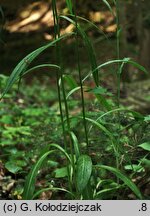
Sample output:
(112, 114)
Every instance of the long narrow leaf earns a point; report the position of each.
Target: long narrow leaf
(25, 62)
(61, 149)
(103, 192)
(69, 5)
(125, 60)
(91, 23)
(51, 189)
(101, 127)
(135, 114)
(73, 90)
(2, 14)
(125, 179)
(99, 97)
(39, 67)
(89, 48)
(31, 178)
(70, 80)
(76, 144)
(108, 5)
(102, 100)
(140, 67)
(36, 68)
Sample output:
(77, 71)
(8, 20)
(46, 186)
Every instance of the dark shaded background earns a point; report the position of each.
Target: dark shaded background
(28, 24)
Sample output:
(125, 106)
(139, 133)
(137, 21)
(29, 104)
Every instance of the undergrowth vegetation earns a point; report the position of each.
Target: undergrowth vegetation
(82, 143)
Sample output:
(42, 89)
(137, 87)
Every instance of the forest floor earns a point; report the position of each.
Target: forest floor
(30, 120)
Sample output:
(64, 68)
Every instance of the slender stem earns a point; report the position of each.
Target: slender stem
(60, 76)
(80, 76)
(118, 49)
(61, 73)
(63, 91)
(118, 29)
(118, 52)
(118, 78)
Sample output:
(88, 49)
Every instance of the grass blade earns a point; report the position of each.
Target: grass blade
(100, 194)
(125, 60)
(41, 66)
(140, 67)
(108, 5)
(2, 14)
(135, 114)
(90, 23)
(125, 179)
(69, 5)
(102, 100)
(101, 127)
(36, 68)
(76, 144)
(73, 90)
(61, 149)
(89, 48)
(51, 189)
(70, 80)
(25, 62)
(31, 178)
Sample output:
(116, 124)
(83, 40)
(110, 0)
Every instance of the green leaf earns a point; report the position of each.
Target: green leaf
(125, 179)
(140, 67)
(135, 114)
(101, 127)
(112, 62)
(147, 118)
(76, 144)
(103, 101)
(39, 67)
(114, 1)
(108, 5)
(31, 178)
(52, 163)
(52, 189)
(20, 163)
(21, 68)
(2, 13)
(12, 167)
(73, 90)
(108, 192)
(145, 162)
(34, 112)
(84, 170)
(6, 119)
(89, 47)
(56, 146)
(69, 5)
(25, 130)
(125, 60)
(100, 90)
(71, 81)
(134, 167)
(61, 172)
(90, 23)
(145, 146)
